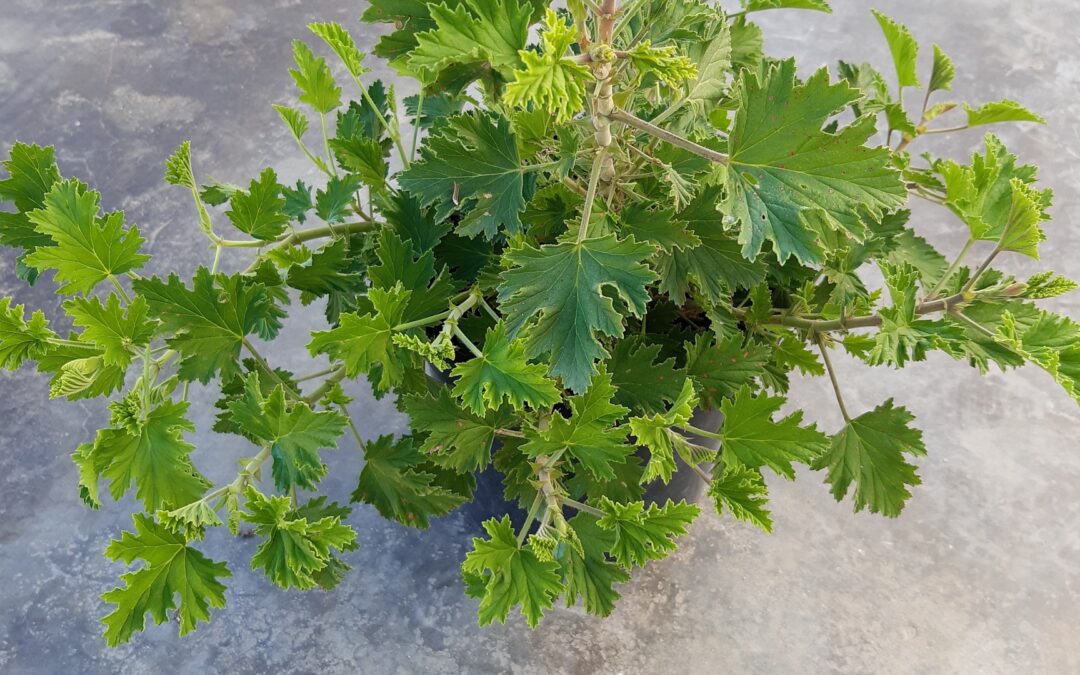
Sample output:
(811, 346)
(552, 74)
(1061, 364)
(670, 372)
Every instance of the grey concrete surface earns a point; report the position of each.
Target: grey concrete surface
(981, 574)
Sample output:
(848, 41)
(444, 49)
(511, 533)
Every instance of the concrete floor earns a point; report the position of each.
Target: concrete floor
(981, 574)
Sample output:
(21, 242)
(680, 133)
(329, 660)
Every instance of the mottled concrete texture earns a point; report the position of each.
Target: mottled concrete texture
(982, 573)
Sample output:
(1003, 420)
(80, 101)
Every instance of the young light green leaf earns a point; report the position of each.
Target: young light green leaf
(314, 80)
(564, 285)
(657, 433)
(753, 439)
(474, 38)
(742, 491)
(508, 575)
(339, 39)
(787, 178)
(116, 333)
(148, 447)
(645, 534)
(20, 340)
(1000, 111)
(172, 568)
(588, 571)
(550, 80)
(903, 336)
(816, 5)
(259, 212)
(502, 373)
(395, 483)
(666, 63)
(471, 159)
(294, 433)
(297, 551)
(869, 451)
(941, 76)
(86, 249)
(295, 119)
(364, 341)
(588, 435)
(904, 48)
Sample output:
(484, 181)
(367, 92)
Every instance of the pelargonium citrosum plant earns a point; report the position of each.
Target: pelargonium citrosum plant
(596, 220)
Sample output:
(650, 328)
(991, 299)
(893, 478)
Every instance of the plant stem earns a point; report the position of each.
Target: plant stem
(590, 194)
(582, 507)
(952, 269)
(869, 321)
(832, 377)
(327, 385)
(948, 130)
(664, 135)
(316, 374)
(326, 143)
(702, 432)
(701, 474)
(416, 123)
(509, 432)
(524, 532)
(982, 268)
(468, 343)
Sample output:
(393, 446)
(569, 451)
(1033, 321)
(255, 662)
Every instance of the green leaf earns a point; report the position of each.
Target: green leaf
(657, 434)
(473, 38)
(172, 568)
(645, 534)
(716, 265)
(551, 80)
(297, 551)
(456, 438)
(712, 59)
(721, 368)
(78, 371)
(334, 202)
(1000, 111)
(260, 212)
(116, 333)
(641, 383)
(21, 341)
(510, 575)
(656, 226)
(314, 80)
(588, 435)
(941, 76)
(742, 491)
(904, 48)
(395, 483)
(869, 451)
(787, 178)
(148, 447)
(588, 571)
(564, 285)
(471, 159)
(1022, 233)
(294, 433)
(32, 172)
(85, 248)
(363, 341)
(753, 439)
(400, 263)
(339, 39)
(502, 373)
(210, 321)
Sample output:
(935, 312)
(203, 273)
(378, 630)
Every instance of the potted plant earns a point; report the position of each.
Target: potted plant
(602, 220)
